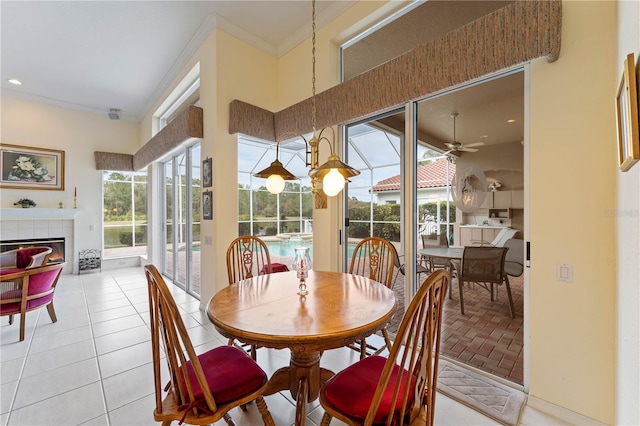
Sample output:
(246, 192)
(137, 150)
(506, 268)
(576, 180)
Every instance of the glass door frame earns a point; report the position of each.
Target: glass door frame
(188, 218)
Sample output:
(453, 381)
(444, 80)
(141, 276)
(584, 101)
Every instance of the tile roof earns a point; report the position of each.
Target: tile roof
(432, 175)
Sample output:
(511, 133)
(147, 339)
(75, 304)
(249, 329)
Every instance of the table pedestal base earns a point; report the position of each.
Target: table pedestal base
(303, 377)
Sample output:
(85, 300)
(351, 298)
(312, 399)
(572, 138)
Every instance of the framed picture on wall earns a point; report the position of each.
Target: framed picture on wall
(23, 167)
(207, 181)
(627, 116)
(207, 205)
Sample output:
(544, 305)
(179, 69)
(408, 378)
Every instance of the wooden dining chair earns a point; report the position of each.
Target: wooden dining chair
(247, 257)
(200, 389)
(485, 266)
(401, 388)
(25, 290)
(374, 258)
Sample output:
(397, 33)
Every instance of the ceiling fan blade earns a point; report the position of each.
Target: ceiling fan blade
(469, 145)
(467, 149)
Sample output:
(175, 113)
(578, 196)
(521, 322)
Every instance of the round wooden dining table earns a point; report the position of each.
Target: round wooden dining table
(266, 310)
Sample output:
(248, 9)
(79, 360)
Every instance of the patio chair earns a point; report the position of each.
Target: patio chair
(200, 389)
(502, 237)
(420, 268)
(485, 266)
(247, 256)
(514, 260)
(399, 389)
(433, 263)
(26, 290)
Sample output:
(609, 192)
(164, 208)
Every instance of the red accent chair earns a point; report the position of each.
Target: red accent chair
(25, 290)
(201, 389)
(400, 389)
(25, 258)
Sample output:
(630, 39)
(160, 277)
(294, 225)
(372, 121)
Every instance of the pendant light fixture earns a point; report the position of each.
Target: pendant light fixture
(334, 173)
(275, 174)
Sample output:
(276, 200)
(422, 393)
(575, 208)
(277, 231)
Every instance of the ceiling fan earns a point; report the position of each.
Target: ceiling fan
(456, 146)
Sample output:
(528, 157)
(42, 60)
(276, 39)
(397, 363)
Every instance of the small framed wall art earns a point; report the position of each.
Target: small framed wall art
(207, 180)
(207, 205)
(627, 116)
(23, 167)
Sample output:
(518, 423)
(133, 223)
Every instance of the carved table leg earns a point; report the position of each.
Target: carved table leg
(301, 401)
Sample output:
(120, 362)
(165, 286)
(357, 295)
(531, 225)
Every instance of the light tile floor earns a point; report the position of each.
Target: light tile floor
(93, 367)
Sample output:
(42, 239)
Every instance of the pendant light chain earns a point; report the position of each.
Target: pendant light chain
(313, 66)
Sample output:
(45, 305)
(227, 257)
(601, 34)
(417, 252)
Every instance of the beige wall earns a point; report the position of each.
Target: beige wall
(627, 218)
(79, 134)
(229, 69)
(573, 152)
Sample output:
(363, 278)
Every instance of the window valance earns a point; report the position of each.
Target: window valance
(517, 33)
(186, 125)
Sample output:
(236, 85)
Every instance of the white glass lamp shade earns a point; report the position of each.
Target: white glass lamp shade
(275, 184)
(469, 187)
(333, 183)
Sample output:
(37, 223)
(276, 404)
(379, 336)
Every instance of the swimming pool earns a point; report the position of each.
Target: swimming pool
(286, 248)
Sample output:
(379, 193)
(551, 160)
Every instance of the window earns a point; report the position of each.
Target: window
(124, 213)
(265, 214)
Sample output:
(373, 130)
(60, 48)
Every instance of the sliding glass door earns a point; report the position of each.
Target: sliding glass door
(182, 219)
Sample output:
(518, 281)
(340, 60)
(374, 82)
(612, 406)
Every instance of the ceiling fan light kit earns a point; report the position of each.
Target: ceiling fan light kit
(456, 146)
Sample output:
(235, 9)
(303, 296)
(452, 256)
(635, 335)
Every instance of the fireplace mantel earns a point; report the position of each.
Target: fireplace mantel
(37, 214)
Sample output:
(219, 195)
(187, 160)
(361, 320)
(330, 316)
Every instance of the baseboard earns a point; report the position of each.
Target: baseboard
(570, 417)
(120, 262)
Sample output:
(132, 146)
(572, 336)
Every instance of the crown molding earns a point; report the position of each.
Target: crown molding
(58, 103)
(304, 32)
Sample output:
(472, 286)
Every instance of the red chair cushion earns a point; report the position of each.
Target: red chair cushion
(38, 283)
(230, 373)
(275, 267)
(351, 391)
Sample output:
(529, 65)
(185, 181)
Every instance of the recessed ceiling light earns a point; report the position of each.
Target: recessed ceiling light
(511, 120)
(15, 81)
(484, 136)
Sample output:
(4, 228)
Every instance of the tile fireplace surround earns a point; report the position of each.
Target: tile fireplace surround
(21, 224)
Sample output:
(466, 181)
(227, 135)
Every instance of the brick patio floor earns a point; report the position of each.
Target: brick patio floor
(486, 337)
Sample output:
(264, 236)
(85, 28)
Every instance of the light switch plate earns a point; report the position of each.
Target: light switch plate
(564, 272)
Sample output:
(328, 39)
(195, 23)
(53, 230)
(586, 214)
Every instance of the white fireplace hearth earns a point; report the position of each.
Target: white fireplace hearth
(19, 224)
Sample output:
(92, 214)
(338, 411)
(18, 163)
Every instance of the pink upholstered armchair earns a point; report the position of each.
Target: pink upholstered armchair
(29, 289)
(25, 258)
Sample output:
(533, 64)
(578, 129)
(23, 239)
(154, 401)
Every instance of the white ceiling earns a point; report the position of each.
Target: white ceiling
(97, 55)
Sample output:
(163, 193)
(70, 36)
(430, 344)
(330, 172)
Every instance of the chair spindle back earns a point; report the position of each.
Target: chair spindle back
(374, 258)
(247, 256)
